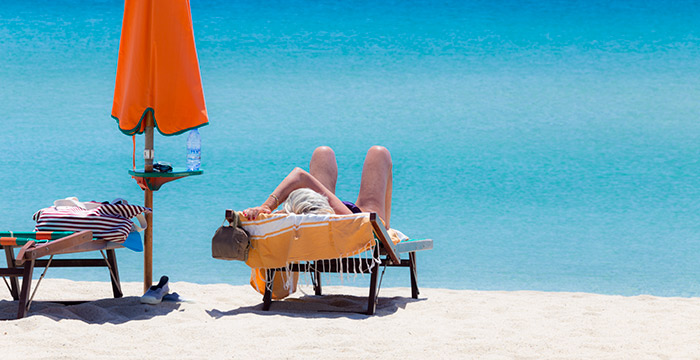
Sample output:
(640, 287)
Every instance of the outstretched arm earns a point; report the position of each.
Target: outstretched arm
(296, 179)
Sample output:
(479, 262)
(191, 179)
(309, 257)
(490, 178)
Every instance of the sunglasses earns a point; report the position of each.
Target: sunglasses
(162, 167)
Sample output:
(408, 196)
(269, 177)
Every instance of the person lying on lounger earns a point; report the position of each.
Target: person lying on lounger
(305, 192)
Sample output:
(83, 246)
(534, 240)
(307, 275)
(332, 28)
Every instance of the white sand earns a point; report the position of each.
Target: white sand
(225, 321)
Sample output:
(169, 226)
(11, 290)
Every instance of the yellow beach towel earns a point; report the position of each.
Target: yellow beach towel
(278, 240)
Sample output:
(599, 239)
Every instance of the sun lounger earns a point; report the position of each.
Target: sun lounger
(36, 245)
(331, 245)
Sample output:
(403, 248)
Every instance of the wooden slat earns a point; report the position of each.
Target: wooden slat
(11, 272)
(384, 238)
(58, 246)
(10, 261)
(92, 245)
(56, 263)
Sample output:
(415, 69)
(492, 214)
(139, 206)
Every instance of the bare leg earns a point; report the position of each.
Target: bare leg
(376, 184)
(324, 167)
(321, 178)
(297, 179)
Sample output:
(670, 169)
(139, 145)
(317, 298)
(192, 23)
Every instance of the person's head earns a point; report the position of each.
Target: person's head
(307, 201)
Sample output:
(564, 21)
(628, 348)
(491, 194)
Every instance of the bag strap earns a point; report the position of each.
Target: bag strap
(142, 225)
(232, 217)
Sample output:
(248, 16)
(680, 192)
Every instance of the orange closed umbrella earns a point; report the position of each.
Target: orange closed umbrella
(158, 85)
(158, 70)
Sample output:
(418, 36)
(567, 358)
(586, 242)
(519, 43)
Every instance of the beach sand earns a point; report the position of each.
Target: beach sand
(223, 321)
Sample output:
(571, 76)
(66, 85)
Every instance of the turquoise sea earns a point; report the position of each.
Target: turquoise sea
(544, 145)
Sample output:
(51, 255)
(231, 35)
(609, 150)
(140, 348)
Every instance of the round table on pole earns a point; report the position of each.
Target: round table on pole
(150, 182)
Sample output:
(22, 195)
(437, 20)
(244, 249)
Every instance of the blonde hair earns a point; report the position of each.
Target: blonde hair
(307, 201)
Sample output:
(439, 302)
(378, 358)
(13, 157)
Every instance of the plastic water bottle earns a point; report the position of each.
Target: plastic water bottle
(194, 150)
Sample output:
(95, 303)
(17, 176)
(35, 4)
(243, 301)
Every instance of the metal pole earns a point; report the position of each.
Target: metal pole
(148, 234)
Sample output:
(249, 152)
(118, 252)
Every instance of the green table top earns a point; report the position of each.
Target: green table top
(177, 172)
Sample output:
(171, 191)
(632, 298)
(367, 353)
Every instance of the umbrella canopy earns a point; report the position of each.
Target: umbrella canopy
(158, 86)
(158, 70)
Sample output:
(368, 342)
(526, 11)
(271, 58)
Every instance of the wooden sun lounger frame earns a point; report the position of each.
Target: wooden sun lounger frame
(29, 256)
(388, 253)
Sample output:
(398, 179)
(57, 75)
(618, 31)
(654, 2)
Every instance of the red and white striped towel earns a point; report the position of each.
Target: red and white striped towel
(108, 221)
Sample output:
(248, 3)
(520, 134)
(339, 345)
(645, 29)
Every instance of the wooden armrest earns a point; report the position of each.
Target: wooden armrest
(414, 245)
(31, 251)
(22, 253)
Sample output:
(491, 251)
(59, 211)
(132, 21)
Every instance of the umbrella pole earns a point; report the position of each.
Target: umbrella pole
(148, 235)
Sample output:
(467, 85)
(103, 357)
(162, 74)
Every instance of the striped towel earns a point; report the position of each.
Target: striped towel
(277, 240)
(107, 221)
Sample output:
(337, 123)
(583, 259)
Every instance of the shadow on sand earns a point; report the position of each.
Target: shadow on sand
(103, 311)
(325, 306)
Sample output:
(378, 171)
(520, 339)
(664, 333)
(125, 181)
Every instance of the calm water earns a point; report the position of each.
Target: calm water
(547, 145)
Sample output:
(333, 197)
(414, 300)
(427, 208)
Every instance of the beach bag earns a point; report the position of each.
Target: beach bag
(230, 242)
(107, 221)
